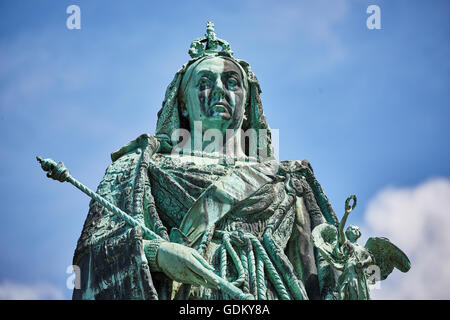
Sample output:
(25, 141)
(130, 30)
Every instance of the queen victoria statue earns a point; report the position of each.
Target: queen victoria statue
(202, 209)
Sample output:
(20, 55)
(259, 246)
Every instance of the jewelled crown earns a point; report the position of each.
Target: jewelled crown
(209, 45)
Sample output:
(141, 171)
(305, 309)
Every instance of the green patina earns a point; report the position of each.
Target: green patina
(203, 216)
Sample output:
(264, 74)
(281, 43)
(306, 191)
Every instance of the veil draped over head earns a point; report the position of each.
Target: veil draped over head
(170, 117)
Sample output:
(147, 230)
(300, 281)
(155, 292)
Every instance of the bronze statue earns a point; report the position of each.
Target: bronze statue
(202, 209)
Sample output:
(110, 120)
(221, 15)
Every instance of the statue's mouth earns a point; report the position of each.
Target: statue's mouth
(220, 108)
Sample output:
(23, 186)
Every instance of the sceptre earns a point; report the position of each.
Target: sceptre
(58, 171)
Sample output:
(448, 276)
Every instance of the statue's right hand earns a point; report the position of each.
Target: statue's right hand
(186, 265)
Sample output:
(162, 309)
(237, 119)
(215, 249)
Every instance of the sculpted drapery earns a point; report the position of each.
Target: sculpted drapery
(153, 188)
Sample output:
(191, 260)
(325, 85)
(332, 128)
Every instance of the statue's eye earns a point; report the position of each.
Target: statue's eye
(232, 82)
(204, 82)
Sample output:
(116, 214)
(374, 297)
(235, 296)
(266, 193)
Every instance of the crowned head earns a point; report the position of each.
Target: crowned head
(213, 88)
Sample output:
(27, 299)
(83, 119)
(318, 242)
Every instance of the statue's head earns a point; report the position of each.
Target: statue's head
(353, 233)
(213, 88)
(214, 91)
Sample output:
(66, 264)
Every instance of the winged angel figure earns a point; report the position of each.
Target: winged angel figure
(359, 266)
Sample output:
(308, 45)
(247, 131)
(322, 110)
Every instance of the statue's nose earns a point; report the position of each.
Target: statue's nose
(218, 91)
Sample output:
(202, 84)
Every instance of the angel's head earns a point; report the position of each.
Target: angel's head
(353, 233)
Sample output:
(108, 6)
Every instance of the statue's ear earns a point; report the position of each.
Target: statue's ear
(184, 111)
(182, 105)
(183, 115)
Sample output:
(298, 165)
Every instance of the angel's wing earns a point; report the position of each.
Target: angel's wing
(387, 256)
(325, 238)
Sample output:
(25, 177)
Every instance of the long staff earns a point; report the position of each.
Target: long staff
(58, 171)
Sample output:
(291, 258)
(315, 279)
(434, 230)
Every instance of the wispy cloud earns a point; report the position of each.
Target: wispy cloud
(296, 22)
(38, 291)
(417, 220)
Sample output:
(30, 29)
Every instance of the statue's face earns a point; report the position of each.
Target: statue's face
(353, 233)
(215, 95)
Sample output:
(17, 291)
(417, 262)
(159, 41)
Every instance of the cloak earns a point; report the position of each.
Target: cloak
(267, 216)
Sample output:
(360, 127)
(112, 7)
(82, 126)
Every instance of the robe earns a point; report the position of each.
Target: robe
(251, 221)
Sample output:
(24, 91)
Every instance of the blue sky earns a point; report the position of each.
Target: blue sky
(368, 108)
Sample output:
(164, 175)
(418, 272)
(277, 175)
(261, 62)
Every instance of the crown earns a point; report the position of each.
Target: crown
(209, 45)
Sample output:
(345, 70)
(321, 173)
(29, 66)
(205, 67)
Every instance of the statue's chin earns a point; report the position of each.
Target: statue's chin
(220, 116)
(217, 120)
(220, 121)
(219, 113)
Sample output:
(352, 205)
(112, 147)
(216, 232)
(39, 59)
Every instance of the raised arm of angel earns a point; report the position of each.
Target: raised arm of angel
(330, 241)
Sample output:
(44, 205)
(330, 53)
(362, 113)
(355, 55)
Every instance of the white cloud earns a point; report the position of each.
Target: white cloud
(38, 291)
(417, 220)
